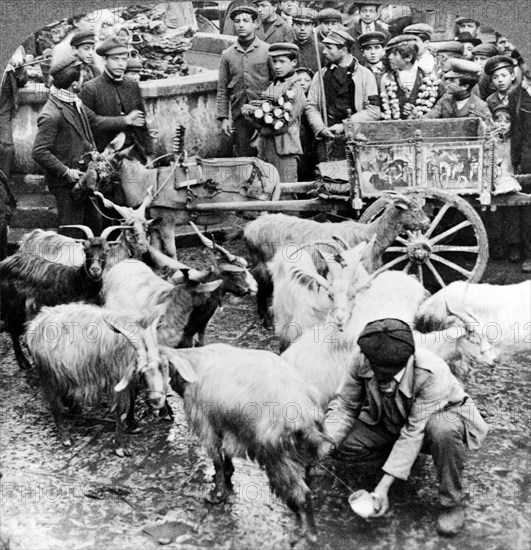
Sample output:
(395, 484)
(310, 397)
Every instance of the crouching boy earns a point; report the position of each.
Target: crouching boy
(279, 142)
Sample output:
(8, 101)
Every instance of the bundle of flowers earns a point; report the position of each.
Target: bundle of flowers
(426, 97)
(273, 112)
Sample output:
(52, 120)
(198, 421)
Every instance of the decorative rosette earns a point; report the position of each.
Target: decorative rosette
(426, 97)
(273, 112)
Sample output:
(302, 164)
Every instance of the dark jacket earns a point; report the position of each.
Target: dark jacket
(12, 80)
(446, 108)
(64, 136)
(520, 110)
(308, 54)
(355, 31)
(279, 31)
(108, 98)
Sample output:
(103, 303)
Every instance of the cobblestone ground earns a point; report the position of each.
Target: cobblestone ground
(86, 497)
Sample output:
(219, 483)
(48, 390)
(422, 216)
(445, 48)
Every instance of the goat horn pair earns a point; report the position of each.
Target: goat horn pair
(108, 230)
(211, 244)
(87, 230)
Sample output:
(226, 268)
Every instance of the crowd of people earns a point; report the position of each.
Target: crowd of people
(338, 67)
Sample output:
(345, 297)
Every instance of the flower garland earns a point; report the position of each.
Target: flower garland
(426, 97)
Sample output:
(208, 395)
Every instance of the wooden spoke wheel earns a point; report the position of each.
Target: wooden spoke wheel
(454, 247)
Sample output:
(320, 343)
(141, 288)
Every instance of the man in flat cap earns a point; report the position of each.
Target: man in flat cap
(282, 146)
(304, 21)
(83, 43)
(459, 101)
(245, 71)
(372, 48)
(404, 87)
(65, 130)
(114, 94)
(425, 58)
(271, 27)
(350, 90)
(400, 400)
(466, 24)
(368, 22)
(328, 19)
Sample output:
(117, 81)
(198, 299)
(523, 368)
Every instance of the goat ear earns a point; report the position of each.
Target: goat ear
(126, 378)
(181, 363)
(401, 205)
(115, 145)
(208, 287)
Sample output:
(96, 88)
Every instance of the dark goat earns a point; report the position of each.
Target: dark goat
(29, 282)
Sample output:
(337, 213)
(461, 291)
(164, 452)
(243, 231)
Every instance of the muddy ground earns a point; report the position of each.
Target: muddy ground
(85, 497)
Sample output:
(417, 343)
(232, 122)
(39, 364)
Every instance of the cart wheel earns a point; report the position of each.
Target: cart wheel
(455, 246)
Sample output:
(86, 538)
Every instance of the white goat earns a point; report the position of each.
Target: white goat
(503, 312)
(250, 403)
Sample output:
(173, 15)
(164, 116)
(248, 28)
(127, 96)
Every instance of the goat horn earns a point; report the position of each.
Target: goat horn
(87, 230)
(319, 279)
(333, 265)
(341, 240)
(211, 244)
(146, 202)
(108, 230)
(165, 261)
(124, 211)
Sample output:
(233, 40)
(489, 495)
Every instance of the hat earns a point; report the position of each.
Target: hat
(306, 70)
(463, 67)
(329, 14)
(400, 40)
(112, 45)
(500, 108)
(251, 10)
(461, 20)
(467, 37)
(487, 50)
(339, 38)
(387, 344)
(82, 37)
(283, 48)
(304, 15)
(134, 65)
(64, 71)
(422, 30)
(369, 38)
(452, 46)
(497, 62)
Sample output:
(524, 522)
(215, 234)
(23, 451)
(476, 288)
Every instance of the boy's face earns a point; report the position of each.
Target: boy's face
(135, 75)
(368, 14)
(373, 53)
(481, 60)
(326, 26)
(502, 79)
(116, 64)
(244, 26)
(303, 30)
(396, 61)
(265, 9)
(304, 80)
(85, 52)
(283, 65)
(467, 50)
(502, 122)
(468, 26)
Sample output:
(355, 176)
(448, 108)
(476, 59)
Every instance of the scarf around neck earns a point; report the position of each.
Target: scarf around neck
(66, 96)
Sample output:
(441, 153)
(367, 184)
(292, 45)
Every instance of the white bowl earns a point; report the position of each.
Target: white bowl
(362, 503)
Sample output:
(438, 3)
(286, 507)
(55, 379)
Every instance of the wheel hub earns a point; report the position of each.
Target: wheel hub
(419, 250)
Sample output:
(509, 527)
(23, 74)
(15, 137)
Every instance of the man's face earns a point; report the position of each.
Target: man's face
(265, 10)
(373, 53)
(283, 65)
(304, 79)
(481, 60)
(303, 30)
(503, 45)
(332, 53)
(116, 64)
(368, 14)
(85, 52)
(396, 61)
(326, 26)
(86, 24)
(453, 85)
(467, 50)
(244, 26)
(502, 79)
(468, 26)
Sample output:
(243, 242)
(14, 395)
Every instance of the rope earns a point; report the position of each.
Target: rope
(336, 478)
(165, 182)
(95, 204)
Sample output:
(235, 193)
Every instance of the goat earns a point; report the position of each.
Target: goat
(322, 354)
(504, 311)
(265, 235)
(28, 282)
(84, 353)
(302, 297)
(240, 406)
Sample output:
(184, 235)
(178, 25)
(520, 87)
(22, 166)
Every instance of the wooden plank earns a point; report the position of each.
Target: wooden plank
(266, 206)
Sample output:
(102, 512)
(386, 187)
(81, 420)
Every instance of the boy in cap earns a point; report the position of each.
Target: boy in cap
(83, 43)
(271, 27)
(469, 43)
(304, 21)
(244, 72)
(372, 49)
(328, 20)
(425, 58)
(281, 148)
(308, 159)
(467, 24)
(500, 70)
(114, 94)
(459, 101)
(400, 400)
(366, 23)
(482, 53)
(65, 130)
(350, 90)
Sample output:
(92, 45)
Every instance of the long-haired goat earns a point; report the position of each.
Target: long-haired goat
(265, 235)
(28, 282)
(84, 353)
(250, 403)
(504, 312)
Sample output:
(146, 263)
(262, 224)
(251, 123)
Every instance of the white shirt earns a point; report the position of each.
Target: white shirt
(408, 77)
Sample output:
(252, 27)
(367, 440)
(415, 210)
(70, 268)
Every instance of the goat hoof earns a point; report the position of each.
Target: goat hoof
(216, 497)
